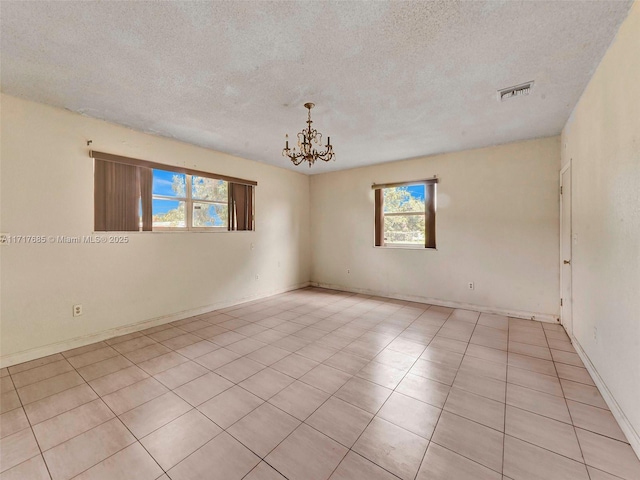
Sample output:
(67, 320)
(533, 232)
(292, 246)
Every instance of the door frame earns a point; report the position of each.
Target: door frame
(562, 172)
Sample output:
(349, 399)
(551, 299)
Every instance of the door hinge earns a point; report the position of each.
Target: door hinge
(560, 302)
(560, 189)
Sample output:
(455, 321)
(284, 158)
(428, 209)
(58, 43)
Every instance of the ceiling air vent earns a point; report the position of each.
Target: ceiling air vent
(517, 91)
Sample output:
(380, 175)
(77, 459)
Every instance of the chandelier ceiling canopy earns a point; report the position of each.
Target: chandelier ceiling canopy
(309, 140)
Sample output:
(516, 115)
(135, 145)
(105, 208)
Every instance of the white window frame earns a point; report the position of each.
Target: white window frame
(189, 201)
(402, 214)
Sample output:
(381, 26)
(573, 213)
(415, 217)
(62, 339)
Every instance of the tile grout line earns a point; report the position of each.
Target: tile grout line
(32, 433)
(506, 387)
(398, 383)
(308, 416)
(115, 417)
(442, 410)
(575, 434)
(226, 430)
(74, 369)
(545, 448)
(263, 459)
(349, 449)
(450, 387)
(99, 397)
(320, 406)
(179, 416)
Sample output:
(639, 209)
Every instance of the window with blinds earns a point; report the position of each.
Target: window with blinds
(405, 214)
(138, 195)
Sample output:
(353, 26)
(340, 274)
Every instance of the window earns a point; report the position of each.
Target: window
(182, 201)
(169, 205)
(131, 195)
(210, 207)
(405, 214)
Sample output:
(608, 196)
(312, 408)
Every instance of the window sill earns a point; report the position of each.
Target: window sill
(138, 232)
(405, 247)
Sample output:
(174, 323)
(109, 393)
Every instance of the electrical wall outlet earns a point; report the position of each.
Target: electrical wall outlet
(595, 334)
(257, 277)
(348, 271)
(77, 310)
(472, 286)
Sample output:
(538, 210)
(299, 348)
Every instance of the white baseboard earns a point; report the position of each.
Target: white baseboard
(632, 435)
(541, 317)
(46, 350)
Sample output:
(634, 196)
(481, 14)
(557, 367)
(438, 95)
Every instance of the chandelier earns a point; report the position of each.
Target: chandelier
(307, 138)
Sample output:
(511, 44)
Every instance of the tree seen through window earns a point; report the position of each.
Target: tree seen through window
(207, 200)
(404, 215)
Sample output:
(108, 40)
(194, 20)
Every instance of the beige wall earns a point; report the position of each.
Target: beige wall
(47, 189)
(602, 140)
(497, 226)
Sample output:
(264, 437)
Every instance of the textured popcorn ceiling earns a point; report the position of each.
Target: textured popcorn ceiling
(391, 80)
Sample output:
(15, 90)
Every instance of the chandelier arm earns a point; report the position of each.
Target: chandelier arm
(325, 157)
(292, 154)
(297, 160)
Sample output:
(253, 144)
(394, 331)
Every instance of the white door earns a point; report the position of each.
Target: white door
(565, 249)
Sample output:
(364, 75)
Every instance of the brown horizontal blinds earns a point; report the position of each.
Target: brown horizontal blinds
(116, 190)
(108, 157)
(430, 181)
(379, 218)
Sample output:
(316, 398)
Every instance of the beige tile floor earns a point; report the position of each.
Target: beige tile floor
(312, 385)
